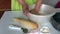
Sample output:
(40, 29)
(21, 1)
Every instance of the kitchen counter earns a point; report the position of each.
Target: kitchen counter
(6, 20)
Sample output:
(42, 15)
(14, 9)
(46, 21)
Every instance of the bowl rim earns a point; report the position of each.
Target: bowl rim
(43, 15)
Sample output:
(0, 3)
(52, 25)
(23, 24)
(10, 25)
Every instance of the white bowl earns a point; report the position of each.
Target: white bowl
(46, 12)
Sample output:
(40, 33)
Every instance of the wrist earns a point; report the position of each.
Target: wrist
(24, 4)
(35, 10)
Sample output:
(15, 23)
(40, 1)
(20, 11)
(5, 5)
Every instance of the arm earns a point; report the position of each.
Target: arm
(37, 7)
(38, 4)
(24, 7)
(21, 2)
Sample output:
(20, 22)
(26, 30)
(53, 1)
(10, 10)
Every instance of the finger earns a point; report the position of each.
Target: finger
(25, 13)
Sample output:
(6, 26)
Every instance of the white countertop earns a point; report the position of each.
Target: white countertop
(6, 20)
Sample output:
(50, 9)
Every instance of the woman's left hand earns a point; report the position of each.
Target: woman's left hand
(25, 10)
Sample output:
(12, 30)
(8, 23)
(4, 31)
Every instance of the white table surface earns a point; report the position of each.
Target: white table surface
(6, 20)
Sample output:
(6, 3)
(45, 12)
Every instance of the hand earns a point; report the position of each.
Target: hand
(34, 11)
(37, 7)
(25, 9)
(24, 6)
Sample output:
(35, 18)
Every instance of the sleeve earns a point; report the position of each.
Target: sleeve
(15, 5)
(29, 2)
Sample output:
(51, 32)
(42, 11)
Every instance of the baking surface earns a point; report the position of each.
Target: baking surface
(6, 20)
